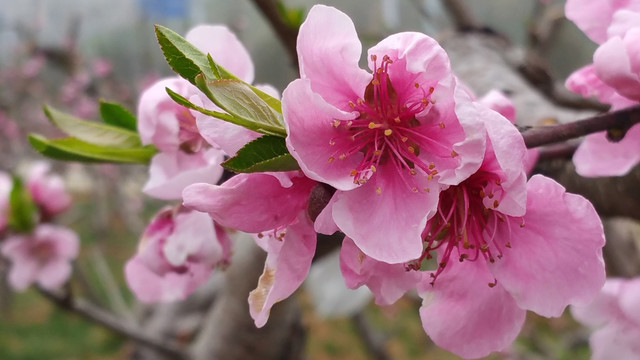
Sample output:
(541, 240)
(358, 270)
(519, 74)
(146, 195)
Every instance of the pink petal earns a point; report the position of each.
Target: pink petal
(551, 265)
(630, 301)
(612, 63)
(54, 274)
(468, 114)
(386, 226)
(192, 231)
(498, 101)
(615, 341)
(324, 223)
(462, 314)
(308, 120)
(604, 307)
(288, 262)
(416, 58)
(227, 136)
(328, 53)
(158, 122)
(225, 49)
(23, 273)
(388, 282)
(597, 156)
(594, 17)
(67, 244)
(259, 195)
(171, 172)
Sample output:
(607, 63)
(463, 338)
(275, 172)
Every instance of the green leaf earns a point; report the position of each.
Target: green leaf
(93, 132)
(266, 153)
(23, 212)
(183, 57)
(72, 149)
(117, 115)
(223, 73)
(248, 109)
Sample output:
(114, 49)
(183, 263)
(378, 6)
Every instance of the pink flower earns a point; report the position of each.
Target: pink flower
(177, 253)
(47, 190)
(5, 189)
(43, 256)
(614, 78)
(386, 141)
(496, 261)
(274, 205)
(615, 316)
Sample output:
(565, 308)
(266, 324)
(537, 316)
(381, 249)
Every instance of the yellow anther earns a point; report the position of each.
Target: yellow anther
(332, 142)
(416, 85)
(331, 158)
(373, 125)
(342, 156)
(441, 125)
(429, 177)
(491, 285)
(260, 235)
(349, 123)
(397, 119)
(415, 189)
(335, 123)
(431, 89)
(454, 153)
(522, 224)
(508, 244)
(427, 189)
(377, 152)
(431, 166)
(434, 172)
(490, 195)
(404, 139)
(374, 57)
(388, 132)
(375, 82)
(412, 171)
(373, 168)
(432, 101)
(481, 193)
(351, 104)
(353, 172)
(411, 149)
(378, 190)
(495, 203)
(361, 181)
(360, 101)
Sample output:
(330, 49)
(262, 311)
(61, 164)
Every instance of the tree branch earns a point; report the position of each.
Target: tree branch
(288, 35)
(99, 316)
(616, 123)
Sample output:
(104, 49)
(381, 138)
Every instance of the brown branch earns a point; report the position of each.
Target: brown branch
(99, 316)
(288, 35)
(616, 123)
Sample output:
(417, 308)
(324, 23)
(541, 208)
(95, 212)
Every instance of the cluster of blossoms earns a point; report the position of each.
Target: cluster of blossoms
(613, 78)
(615, 316)
(42, 254)
(430, 184)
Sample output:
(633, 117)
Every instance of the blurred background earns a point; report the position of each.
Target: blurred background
(71, 53)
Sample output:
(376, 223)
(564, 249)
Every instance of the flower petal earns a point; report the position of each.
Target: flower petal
(556, 258)
(328, 54)
(54, 274)
(462, 314)
(597, 156)
(225, 49)
(308, 120)
(171, 172)
(192, 232)
(613, 64)
(388, 282)
(387, 224)
(250, 202)
(288, 262)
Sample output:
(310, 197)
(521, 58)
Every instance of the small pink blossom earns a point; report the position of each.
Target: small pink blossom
(614, 315)
(387, 140)
(613, 78)
(43, 257)
(47, 190)
(101, 67)
(177, 253)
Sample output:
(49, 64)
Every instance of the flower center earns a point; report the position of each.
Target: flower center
(465, 225)
(386, 131)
